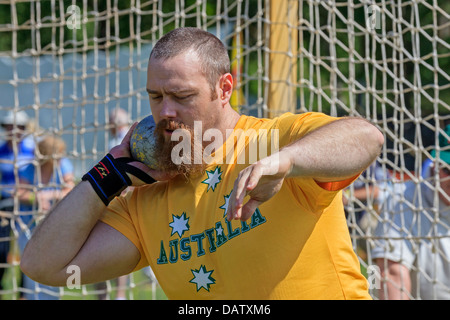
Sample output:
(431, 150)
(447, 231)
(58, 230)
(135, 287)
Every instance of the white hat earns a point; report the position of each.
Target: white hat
(19, 118)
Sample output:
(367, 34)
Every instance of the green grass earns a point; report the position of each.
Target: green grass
(140, 288)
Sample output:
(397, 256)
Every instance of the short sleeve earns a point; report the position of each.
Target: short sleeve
(300, 125)
(308, 122)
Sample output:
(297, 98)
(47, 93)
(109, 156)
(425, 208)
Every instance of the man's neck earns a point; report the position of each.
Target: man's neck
(230, 121)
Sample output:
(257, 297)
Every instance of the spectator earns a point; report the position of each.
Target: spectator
(14, 152)
(55, 173)
(366, 192)
(287, 240)
(414, 247)
(119, 125)
(362, 206)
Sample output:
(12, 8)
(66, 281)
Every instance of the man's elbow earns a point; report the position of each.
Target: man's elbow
(378, 139)
(38, 271)
(373, 136)
(30, 268)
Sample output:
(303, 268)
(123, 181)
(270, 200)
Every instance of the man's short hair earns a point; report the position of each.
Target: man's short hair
(210, 50)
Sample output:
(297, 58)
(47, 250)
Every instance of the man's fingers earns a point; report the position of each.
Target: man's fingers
(127, 137)
(244, 212)
(246, 181)
(231, 205)
(239, 193)
(248, 209)
(241, 190)
(123, 149)
(254, 178)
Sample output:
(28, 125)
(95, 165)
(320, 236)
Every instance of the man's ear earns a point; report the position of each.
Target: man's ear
(225, 88)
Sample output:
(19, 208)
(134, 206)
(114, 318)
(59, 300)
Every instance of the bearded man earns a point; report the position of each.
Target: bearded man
(270, 229)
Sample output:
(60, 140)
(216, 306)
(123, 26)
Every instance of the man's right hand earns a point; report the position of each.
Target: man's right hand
(123, 150)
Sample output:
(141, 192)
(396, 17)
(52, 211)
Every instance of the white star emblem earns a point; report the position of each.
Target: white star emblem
(214, 177)
(179, 224)
(225, 205)
(202, 278)
(219, 231)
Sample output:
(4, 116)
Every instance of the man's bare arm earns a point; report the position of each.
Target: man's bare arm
(72, 235)
(334, 152)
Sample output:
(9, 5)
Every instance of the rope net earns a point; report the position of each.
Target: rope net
(71, 65)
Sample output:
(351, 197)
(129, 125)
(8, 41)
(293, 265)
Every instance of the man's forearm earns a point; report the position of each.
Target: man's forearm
(336, 151)
(57, 240)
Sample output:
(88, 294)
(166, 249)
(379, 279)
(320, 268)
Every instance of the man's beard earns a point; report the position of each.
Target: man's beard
(164, 146)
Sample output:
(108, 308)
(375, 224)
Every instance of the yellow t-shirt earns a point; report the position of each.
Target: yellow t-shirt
(295, 246)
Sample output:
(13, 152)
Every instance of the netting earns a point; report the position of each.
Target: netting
(70, 65)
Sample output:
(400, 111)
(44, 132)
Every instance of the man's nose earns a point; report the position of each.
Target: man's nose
(168, 109)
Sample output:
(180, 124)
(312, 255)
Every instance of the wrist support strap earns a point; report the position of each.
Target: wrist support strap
(109, 177)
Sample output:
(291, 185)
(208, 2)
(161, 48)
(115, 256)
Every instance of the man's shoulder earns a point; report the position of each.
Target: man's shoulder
(282, 120)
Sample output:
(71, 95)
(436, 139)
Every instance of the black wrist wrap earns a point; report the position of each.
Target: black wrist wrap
(109, 177)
